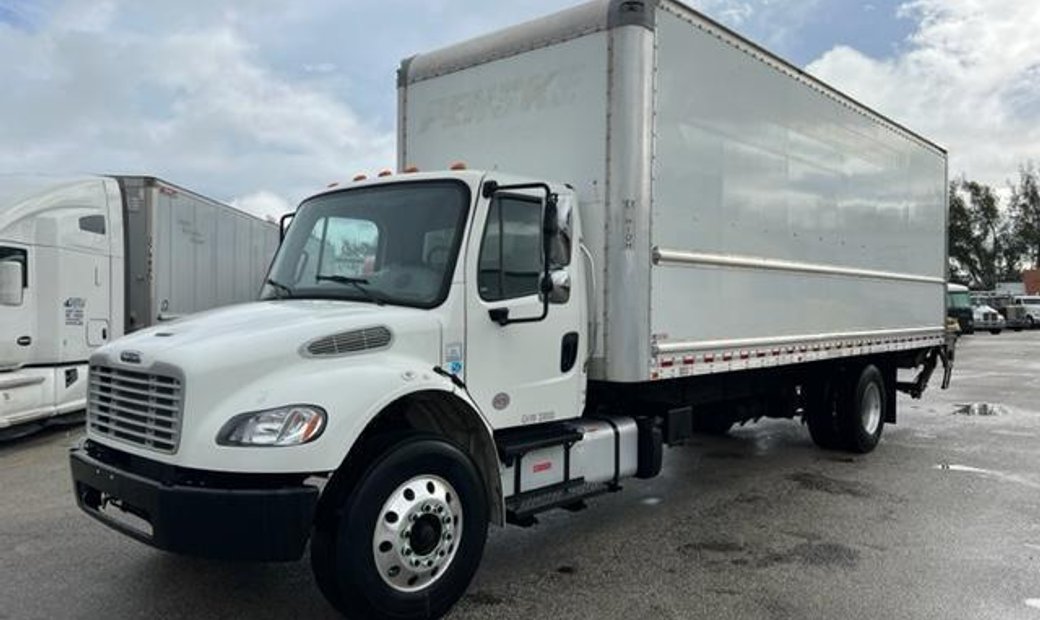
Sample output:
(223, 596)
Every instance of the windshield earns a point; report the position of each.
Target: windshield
(393, 244)
(959, 299)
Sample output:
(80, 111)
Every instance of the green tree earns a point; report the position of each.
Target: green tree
(962, 260)
(982, 244)
(1025, 213)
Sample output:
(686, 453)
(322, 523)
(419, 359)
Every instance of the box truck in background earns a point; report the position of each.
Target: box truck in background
(85, 260)
(663, 227)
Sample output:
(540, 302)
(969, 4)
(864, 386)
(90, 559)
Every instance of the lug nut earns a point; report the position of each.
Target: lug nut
(407, 551)
(426, 508)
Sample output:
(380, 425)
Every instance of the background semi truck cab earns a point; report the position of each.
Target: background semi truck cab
(61, 247)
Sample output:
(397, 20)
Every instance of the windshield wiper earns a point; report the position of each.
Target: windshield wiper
(357, 283)
(281, 288)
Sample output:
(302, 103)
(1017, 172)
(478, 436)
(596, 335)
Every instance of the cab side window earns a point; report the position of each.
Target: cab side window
(510, 262)
(92, 224)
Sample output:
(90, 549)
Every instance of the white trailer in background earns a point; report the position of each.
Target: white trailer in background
(85, 260)
(667, 228)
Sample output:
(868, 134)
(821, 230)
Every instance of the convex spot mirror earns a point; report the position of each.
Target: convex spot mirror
(560, 240)
(558, 287)
(11, 278)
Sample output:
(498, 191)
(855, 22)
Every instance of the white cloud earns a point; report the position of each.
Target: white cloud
(264, 204)
(86, 92)
(969, 79)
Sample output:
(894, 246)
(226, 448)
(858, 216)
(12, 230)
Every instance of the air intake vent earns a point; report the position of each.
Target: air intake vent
(350, 342)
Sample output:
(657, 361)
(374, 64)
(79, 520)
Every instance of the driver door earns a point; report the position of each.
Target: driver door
(528, 372)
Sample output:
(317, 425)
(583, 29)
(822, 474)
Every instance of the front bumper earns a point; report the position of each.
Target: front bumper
(197, 513)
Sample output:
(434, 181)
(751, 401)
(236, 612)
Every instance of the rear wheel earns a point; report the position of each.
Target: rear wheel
(821, 414)
(995, 331)
(406, 538)
(861, 411)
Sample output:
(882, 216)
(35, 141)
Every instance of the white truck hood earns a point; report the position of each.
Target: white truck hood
(250, 334)
(253, 357)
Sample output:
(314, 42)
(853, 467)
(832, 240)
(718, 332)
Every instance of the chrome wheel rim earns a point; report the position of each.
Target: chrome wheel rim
(417, 533)
(870, 409)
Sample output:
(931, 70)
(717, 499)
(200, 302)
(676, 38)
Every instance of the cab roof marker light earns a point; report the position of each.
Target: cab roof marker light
(411, 169)
(333, 184)
(457, 165)
(360, 177)
(385, 172)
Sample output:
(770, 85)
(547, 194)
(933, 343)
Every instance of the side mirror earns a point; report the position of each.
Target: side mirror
(12, 274)
(559, 289)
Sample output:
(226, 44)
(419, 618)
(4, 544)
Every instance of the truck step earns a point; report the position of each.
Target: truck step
(520, 509)
(516, 442)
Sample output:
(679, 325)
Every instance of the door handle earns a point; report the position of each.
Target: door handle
(568, 351)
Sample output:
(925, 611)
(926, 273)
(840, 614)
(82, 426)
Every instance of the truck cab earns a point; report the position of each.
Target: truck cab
(60, 248)
(959, 307)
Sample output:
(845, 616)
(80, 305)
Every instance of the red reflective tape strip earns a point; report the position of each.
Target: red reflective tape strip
(540, 467)
(688, 359)
(667, 362)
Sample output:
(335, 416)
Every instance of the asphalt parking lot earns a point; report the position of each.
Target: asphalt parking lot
(941, 521)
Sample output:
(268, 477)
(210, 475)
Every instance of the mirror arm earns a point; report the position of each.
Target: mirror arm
(283, 226)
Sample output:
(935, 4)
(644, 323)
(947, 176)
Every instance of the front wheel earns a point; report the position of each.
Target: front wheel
(995, 331)
(406, 538)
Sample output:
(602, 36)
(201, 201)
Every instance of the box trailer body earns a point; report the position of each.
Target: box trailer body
(658, 228)
(104, 256)
(734, 206)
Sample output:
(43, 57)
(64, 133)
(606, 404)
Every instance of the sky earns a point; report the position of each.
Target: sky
(261, 102)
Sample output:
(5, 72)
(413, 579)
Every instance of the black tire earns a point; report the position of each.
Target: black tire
(868, 393)
(995, 332)
(1031, 322)
(821, 414)
(342, 554)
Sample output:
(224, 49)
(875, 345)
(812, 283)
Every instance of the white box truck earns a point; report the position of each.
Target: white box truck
(662, 227)
(84, 260)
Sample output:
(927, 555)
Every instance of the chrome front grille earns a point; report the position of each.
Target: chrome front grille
(135, 407)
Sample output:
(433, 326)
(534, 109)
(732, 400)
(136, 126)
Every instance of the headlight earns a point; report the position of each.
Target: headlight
(285, 426)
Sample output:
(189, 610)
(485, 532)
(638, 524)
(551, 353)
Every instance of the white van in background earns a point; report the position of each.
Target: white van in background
(1031, 303)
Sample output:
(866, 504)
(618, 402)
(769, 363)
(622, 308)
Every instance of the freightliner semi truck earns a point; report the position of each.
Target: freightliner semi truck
(660, 226)
(84, 260)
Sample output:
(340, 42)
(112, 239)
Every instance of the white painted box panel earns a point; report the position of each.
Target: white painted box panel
(728, 198)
